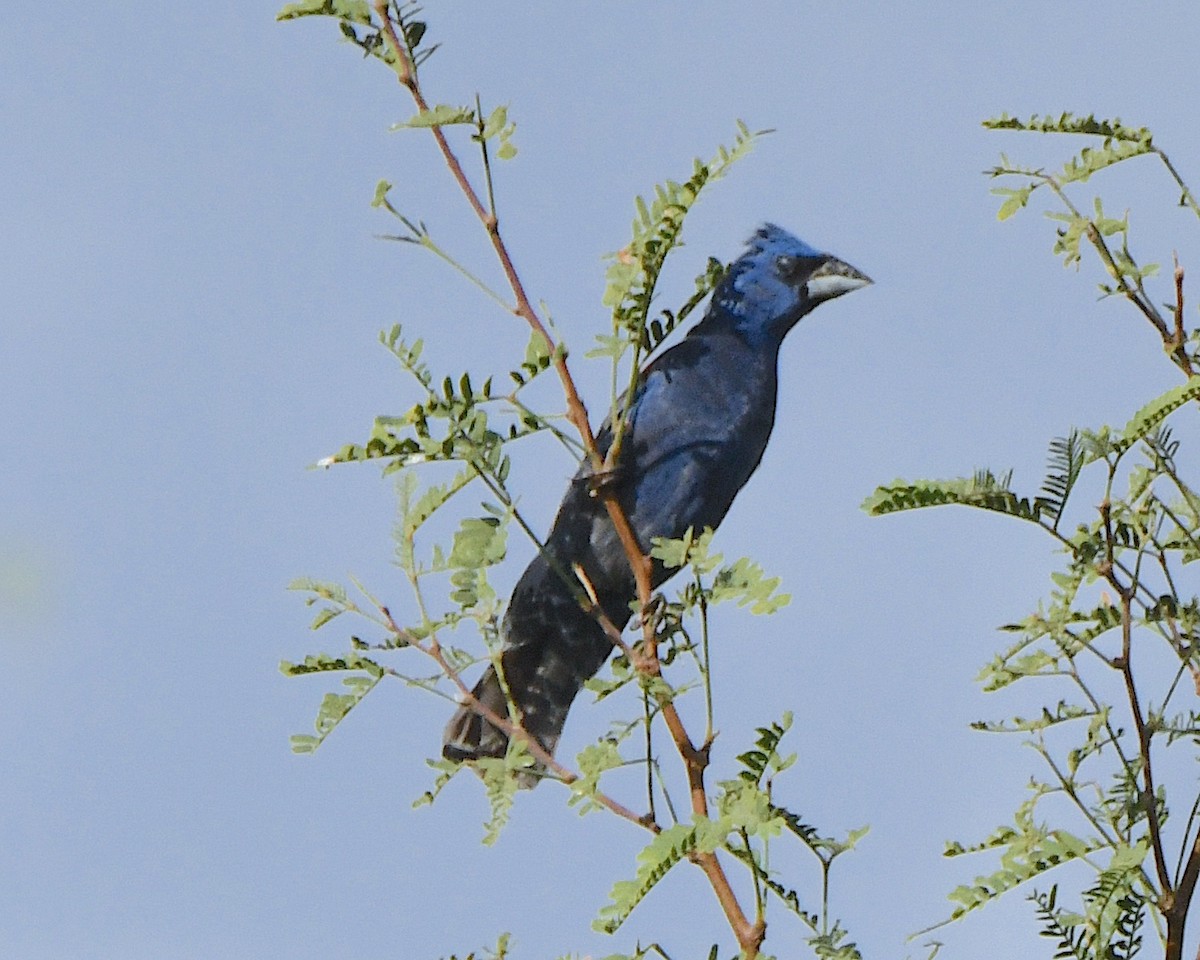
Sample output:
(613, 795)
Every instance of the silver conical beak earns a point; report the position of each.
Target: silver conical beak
(833, 278)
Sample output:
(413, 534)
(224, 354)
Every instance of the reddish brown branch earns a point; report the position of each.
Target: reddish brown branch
(1179, 340)
(1149, 801)
(1177, 910)
(749, 935)
(576, 411)
(513, 730)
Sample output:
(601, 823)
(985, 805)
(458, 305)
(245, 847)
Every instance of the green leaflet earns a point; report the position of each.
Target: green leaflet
(322, 590)
(1063, 713)
(594, 760)
(830, 945)
(1023, 860)
(634, 271)
(324, 663)
(1027, 850)
(443, 115)
(480, 542)
(662, 853)
(1014, 200)
(765, 758)
(501, 778)
(657, 330)
(745, 582)
(415, 512)
(497, 126)
(1070, 630)
(984, 491)
(1092, 160)
(1155, 412)
(354, 11)
(1067, 458)
(538, 359)
(452, 423)
(499, 952)
(1120, 142)
(1113, 911)
(334, 708)
(633, 274)
(789, 898)
(1069, 123)
(333, 597)
(447, 770)
(742, 581)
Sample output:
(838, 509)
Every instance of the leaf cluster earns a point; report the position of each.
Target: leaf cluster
(452, 422)
(358, 26)
(749, 819)
(1119, 602)
(633, 273)
(492, 126)
(634, 270)
(742, 582)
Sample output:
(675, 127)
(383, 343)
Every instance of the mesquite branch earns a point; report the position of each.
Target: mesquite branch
(749, 934)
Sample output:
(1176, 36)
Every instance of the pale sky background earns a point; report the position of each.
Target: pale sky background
(190, 292)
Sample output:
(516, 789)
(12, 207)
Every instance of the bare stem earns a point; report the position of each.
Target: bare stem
(1143, 734)
(1177, 910)
(1187, 198)
(1180, 334)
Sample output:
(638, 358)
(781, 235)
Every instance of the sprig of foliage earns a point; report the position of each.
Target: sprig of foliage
(983, 490)
(633, 274)
(501, 778)
(334, 707)
(742, 582)
(669, 848)
(634, 271)
(351, 11)
(354, 15)
(452, 423)
(1067, 458)
(1108, 236)
(1027, 850)
(499, 952)
(1120, 593)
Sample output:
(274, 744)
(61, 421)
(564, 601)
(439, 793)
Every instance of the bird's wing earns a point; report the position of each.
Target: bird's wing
(682, 462)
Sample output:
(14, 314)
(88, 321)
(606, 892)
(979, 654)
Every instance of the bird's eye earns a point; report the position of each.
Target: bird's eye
(785, 264)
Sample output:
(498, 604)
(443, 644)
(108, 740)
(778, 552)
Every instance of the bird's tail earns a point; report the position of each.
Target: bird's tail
(469, 735)
(542, 688)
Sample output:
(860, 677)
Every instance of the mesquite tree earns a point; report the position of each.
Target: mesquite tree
(468, 426)
(1118, 502)
(1120, 507)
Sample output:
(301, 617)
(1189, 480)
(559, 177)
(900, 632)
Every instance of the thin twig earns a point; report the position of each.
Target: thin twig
(1186, 197)
(648, 725)
(1180, 333)
(1143, 303)
(1187, 832)
(576, 411)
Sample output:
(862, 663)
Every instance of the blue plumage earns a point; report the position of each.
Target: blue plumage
(698, 426)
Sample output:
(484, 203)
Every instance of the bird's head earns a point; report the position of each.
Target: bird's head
(778, 280)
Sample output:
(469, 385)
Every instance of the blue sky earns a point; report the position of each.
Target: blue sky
(192, 287)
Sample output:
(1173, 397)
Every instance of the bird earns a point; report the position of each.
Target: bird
(696, 429)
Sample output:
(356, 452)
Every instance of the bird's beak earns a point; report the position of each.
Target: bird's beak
(833, 278)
